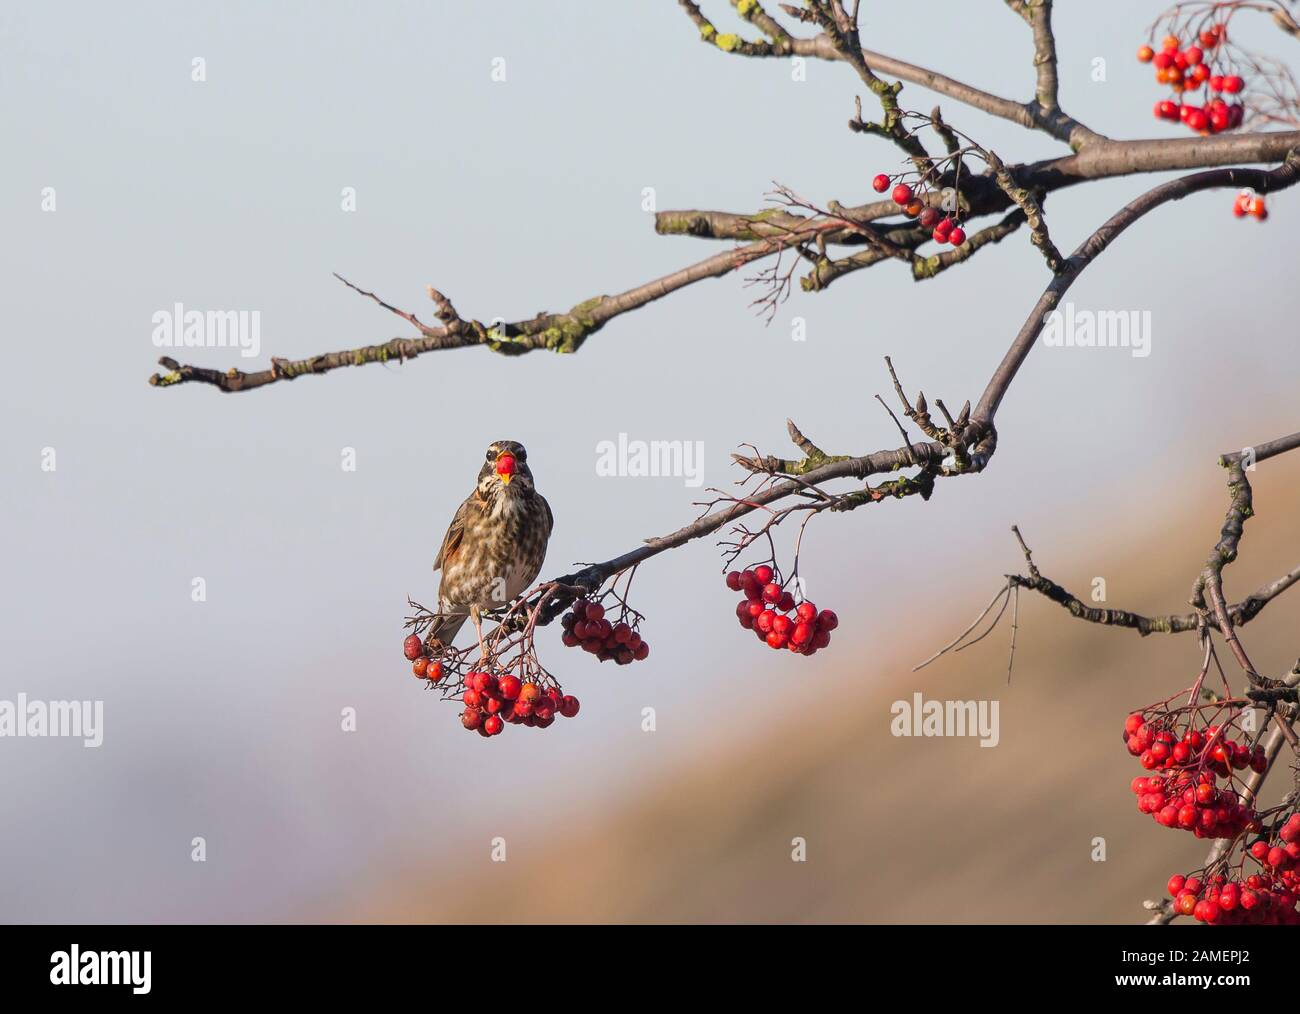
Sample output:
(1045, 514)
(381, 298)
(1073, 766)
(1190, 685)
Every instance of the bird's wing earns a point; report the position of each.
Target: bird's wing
(550, 518)
(451, 541)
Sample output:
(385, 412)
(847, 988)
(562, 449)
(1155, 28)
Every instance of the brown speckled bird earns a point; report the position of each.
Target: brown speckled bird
(496, 543)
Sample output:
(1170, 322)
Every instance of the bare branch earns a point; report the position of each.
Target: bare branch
(1264, 181)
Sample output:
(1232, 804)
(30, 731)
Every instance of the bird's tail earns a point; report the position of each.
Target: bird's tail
(444, 628)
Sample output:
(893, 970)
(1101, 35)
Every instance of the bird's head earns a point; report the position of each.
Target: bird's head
(505, 471)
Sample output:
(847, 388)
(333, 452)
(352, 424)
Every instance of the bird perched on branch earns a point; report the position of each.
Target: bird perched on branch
(496, 543)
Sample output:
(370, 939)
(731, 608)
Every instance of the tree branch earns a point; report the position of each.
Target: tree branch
(1038, 14)
(1241, 613)
(1264, 181)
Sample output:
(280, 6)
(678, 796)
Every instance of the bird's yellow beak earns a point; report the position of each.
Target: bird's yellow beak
(505, 477)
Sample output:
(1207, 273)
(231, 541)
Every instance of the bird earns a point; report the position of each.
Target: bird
(496, 544)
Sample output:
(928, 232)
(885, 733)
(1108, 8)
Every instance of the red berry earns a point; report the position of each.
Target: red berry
(802, 634)
(772, 593)
(957, 237)
(1193, 54)
(733, 580)
(595, 612)
(642, 652)
(880, 184)
(420, 667)
(1232, 84)
(901, 194)
(763, 574)
(1197, 119)
(827, 620)
(1145, 53)
(807, 612)
(412, 647)
(530, 693)
(786, 602)
(509, 686)
(928, 218)
(471, 718)
(1176, 883)
(435, 672)
(493, 725)
(944, 227)
(569, 706)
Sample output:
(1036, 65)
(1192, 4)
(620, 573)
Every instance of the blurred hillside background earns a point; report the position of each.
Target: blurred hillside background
(223, 717)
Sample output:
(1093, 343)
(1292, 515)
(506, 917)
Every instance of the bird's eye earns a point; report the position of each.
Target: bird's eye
(491, 454)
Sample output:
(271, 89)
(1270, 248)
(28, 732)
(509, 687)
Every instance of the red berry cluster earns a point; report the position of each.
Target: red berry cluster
(770, 611)
(1186, 795)
(1259, 899)
(1193, 803)
(1186, 71)
(493, 701)
(586, 626)
(1249, 203)
(425, 668)
(945, 229)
